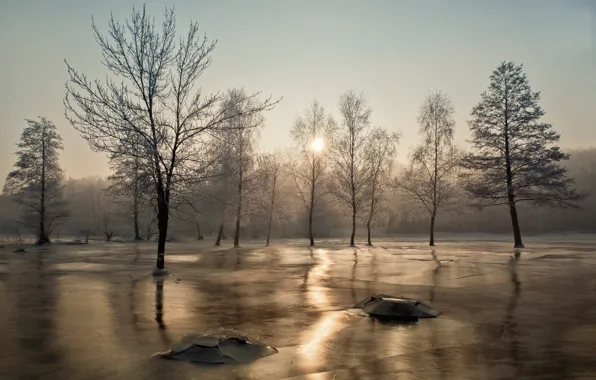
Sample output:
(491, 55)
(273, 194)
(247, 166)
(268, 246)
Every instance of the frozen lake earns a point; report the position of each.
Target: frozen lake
(93, 312)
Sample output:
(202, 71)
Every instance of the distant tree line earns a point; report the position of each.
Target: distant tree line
(187, 162)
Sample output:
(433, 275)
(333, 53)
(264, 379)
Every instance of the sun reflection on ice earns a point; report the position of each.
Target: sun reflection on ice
(314, 340)
(316, 293)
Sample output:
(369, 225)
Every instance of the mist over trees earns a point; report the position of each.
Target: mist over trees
(245, 173)
(185, 164)
(131, 185)
(272, 166)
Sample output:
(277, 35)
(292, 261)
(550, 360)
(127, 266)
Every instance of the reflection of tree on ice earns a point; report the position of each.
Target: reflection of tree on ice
(510, 332)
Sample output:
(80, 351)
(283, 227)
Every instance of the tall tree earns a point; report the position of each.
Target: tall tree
(242, 132)
(131, 182)
(380, 154)
(429, 179)
(351, 170)
(272, 165)
(514, 158)
(36, 181)
(221, 190)
(311, 132)
(103, 212)
(158, 102)
(192, 195)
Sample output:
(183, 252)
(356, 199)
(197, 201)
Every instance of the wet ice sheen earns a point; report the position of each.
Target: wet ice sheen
(393, 307)
(218, 348)
(502, 317)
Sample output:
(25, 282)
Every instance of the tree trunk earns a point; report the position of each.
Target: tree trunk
(43, 238)
(271, 211)
(435, 181)
(135, 205)
(310, 234)
(238, 209)
(135, 213)
(268, 233)
(517, 239)
(372, 210)
(432, 231)
(353, 236)
(237, 232)
(219, 235)
(199, 236)
(162, 226)
(312, 204)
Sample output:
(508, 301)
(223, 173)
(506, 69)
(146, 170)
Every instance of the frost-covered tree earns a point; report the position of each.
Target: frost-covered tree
(220, 187)
(243, 175)
(246, 173)
(273, 167)
(131, 183)
(514, 158)
(36, 181)
(429, 178)
(152, 95)
(311, 131)
(380, 154)
(350, 178)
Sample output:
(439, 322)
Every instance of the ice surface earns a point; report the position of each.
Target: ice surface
(94, 311)
(219, 347)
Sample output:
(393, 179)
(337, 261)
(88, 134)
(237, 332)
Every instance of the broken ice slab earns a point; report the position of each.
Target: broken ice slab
(218, 348)
(393, 307)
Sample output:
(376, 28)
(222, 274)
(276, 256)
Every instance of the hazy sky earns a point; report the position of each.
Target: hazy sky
(396, 51)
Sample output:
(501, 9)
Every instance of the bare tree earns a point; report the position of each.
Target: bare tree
(242, 132)
(158, 102)
(515, 159)
(429, 179)
(192, 194)
(310, 132)
(221, 189)
(189, 209)
(273, 168)
(36, 181)
(380, 154)
(351, 170)
(131, 182)
(102, 212)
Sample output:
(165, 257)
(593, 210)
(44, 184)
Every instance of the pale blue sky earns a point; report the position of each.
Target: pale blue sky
(395, 51)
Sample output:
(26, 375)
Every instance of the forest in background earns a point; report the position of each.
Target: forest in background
(90, 209)
(187, 165)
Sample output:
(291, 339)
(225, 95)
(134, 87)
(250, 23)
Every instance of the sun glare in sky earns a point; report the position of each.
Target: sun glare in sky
(318, 144)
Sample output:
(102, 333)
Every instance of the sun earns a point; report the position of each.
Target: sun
(318, 144)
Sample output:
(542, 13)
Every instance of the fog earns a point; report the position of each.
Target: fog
(331, 190)
(404, 217)
(199, 164)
